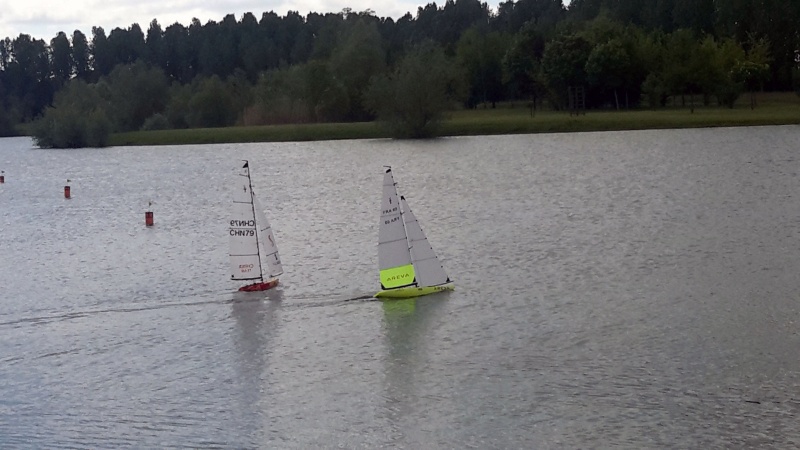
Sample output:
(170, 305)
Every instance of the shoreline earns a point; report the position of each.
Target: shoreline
(772, 109)
(372, 130)
(464, 126)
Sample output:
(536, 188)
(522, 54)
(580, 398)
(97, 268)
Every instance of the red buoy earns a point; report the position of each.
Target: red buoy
(66, 192)
(148, 218)
(2, 177)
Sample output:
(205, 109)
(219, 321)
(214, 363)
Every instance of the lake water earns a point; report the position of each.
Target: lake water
(627, 289)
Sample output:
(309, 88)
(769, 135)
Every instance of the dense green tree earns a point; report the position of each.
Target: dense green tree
(607, 67)
(687, 69)
(457, 16)
(301, 93)
(294, 39)
(522, 64)
(27, 77)
(774, 20)
(180, 62)
(326, 31)
(358, 56)
(127, 45)
(102, 55)
(412, 100)
(80, 55)
(751, 69)
(582, 10)
(564, 65)
(177, 111)
(329, 99)
(78, 118)
(61, 59)
(155, 53)
(137, 91)
(481, 54)
(240, 91)
(512, 15)
(211, 105)
(257, 52)
(427, 23)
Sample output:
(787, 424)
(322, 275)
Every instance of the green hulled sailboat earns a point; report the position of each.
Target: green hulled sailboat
(408, 265)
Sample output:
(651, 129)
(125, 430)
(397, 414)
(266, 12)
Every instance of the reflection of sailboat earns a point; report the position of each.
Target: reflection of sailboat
(250, 238)
(253, 336)
(408, 265)
(412, 363)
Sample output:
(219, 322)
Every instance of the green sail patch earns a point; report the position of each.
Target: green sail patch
(397, 276)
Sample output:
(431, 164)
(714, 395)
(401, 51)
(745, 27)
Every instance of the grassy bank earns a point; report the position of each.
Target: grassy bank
(771, 109)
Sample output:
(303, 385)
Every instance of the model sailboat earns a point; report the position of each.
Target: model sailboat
(408, 265)
(254, 255)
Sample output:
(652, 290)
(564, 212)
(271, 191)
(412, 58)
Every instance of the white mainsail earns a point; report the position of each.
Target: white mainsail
(245, 260)
(428, 269)
(250, 235)
(394, 257)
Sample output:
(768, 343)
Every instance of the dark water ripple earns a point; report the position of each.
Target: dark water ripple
(633, 290)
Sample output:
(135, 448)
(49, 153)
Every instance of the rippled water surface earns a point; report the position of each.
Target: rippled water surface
(635, 289)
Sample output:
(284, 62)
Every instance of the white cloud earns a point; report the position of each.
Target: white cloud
(43, 19)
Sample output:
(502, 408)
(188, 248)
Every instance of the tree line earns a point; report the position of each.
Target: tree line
(355, 66)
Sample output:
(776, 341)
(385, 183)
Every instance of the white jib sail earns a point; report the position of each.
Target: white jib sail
(267, 241)
(428, 269)
(392, 242)
(245, 262)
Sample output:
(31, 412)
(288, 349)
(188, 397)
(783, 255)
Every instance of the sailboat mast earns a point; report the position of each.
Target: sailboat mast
(408, 240)
(253, 207)
(405, 229)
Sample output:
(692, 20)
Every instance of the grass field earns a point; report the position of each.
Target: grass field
(771, 109)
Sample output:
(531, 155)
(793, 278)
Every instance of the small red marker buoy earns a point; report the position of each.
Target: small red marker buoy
(2, 176)
(148, 215)
(66, 191)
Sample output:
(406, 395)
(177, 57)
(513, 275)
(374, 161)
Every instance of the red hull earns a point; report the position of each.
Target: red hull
(259, 286)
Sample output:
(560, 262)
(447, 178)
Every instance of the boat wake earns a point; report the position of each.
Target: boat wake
(238, 297)
(361, 298)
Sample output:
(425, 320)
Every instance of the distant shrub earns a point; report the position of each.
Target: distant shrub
(728, 92)
(411, 101)
(654, 90)
(64, 128)
(76, 119)
(6, 127)
(156, 122)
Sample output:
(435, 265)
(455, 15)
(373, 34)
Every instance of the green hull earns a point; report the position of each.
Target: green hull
(414, 291)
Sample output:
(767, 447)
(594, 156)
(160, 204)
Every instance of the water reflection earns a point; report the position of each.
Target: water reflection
(257, 316)
(407, 334)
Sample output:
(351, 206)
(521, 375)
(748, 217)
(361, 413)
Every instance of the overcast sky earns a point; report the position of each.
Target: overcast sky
(43, 19)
